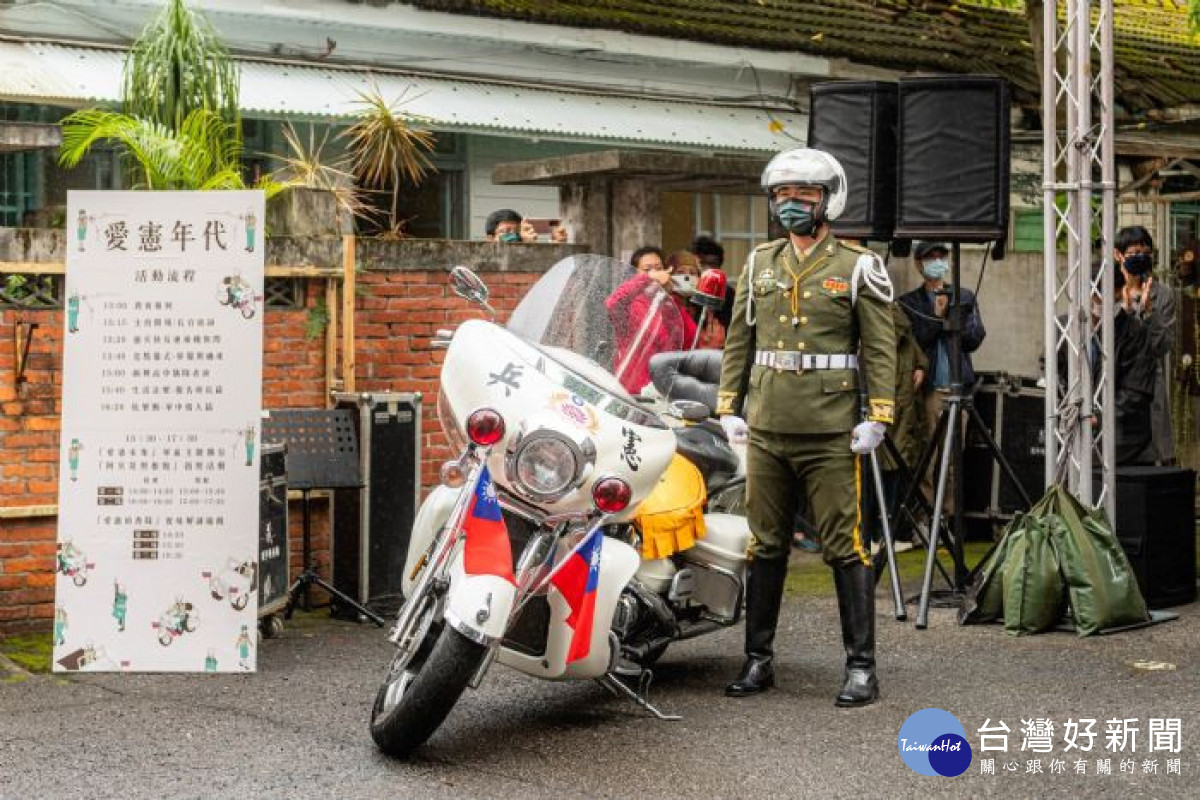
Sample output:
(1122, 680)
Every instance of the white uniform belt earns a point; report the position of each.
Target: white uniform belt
(794, 360)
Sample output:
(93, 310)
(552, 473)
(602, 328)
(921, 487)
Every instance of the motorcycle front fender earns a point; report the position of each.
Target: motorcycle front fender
(431, 518)
(479, 605)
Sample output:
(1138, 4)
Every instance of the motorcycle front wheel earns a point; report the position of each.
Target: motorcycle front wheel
(419, 692)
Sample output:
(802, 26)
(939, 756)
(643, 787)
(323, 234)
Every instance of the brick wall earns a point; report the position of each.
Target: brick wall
(400, 306)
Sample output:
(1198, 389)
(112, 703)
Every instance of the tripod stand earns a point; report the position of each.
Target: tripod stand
(949, 431)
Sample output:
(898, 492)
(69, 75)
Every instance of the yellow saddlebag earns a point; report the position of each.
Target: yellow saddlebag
(671, 519)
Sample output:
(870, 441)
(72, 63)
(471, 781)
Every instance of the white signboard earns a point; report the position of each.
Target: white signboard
(158, 471)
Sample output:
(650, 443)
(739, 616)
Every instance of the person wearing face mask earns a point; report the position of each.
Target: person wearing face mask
(927, 307)
(810, 313)
(504, 225)
(630, 304)
(1154, 304)
(685, 275)
(1132, 374)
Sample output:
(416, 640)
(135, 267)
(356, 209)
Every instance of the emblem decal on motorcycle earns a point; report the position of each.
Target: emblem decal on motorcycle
(575, 409)
(629, 451)
(509, 377)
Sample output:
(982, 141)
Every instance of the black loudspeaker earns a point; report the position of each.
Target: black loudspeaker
(372, 525)
(1156, 528)
(953, 159)
(855, 122)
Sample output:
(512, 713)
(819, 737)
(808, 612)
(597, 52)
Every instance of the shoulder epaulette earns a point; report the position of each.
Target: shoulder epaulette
(856, 248)
(772, 243)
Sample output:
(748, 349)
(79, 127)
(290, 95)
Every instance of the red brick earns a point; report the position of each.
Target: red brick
(42, 610)
(18, 565)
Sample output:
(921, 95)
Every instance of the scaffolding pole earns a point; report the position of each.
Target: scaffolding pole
(1079, 192)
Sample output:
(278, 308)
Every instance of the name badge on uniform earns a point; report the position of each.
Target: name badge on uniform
(835, 286)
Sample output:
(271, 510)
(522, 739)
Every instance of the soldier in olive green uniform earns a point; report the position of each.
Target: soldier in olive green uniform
(809, 313)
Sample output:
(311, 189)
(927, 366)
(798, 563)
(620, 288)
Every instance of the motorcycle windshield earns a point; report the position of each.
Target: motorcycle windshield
(601, 319)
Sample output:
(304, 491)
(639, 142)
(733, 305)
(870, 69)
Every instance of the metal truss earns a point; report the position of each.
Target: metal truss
(1079, 185)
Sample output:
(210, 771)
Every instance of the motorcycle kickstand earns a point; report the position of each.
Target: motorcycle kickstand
(640, 697)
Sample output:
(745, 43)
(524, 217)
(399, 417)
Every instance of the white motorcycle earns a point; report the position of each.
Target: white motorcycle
(604, 521)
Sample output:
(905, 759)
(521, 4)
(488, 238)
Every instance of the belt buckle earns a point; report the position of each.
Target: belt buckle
(789, 360)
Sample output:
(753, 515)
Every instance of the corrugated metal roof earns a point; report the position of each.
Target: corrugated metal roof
(75, 75)
(1156, 53)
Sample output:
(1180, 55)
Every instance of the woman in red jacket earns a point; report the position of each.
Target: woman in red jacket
(647, 318)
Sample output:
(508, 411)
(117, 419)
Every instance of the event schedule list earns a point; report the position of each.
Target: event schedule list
(161, 408)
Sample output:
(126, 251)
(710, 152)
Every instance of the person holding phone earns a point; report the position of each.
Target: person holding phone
(1153, 304)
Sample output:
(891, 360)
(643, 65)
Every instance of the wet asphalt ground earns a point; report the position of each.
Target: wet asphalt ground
(298, 728)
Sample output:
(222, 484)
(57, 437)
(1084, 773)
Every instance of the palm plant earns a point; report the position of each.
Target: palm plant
(203, 153)
(308, 166)
(178, 65)
(385, 148)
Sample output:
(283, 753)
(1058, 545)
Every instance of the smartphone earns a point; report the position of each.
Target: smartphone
(543, 225)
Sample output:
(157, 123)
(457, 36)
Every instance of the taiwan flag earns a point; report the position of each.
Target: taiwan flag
(487, 551)
(576, 579)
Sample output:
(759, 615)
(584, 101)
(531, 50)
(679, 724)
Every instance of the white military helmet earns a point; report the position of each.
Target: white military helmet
(808, 167)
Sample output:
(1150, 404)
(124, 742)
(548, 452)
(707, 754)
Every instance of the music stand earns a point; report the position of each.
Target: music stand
(322, 453)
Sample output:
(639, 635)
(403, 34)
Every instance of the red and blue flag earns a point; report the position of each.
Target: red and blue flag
(576, 580)
(487, 550)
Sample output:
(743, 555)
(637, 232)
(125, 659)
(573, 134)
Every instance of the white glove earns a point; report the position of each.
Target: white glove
(866, 437)
(736, 429)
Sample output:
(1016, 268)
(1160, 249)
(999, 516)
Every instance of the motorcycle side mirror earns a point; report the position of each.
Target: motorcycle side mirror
(469, 286)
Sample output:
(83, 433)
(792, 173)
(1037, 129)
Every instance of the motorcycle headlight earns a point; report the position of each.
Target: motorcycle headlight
(545, 465)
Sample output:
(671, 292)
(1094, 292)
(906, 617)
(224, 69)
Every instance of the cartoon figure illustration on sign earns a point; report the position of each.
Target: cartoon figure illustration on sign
(73, 458)
(239, 580)
(236, 292)
(120, 604)
(210, 662)
(243, 648)
(180, 618)
(248, 436)
(251, 225)
(73, 303)
(60, 626)
(81, 228)
(73, 563)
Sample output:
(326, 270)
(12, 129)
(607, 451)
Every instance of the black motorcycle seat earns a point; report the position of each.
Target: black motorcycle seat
(704, 445)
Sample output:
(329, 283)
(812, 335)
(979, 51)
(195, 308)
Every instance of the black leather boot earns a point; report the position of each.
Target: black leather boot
(856, 601)
(764, 594)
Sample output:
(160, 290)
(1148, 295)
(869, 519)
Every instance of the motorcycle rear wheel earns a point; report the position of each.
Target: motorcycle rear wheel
(418, 695)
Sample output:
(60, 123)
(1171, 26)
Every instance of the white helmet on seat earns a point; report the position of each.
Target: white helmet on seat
(807, 167)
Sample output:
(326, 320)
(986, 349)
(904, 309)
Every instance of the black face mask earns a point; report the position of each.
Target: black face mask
(1138, 264)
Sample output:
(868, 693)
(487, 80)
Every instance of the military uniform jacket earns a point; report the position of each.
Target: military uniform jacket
(807, 307)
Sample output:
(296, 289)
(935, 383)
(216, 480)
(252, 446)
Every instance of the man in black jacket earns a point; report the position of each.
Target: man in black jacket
(928, 308)
(1133, 370)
